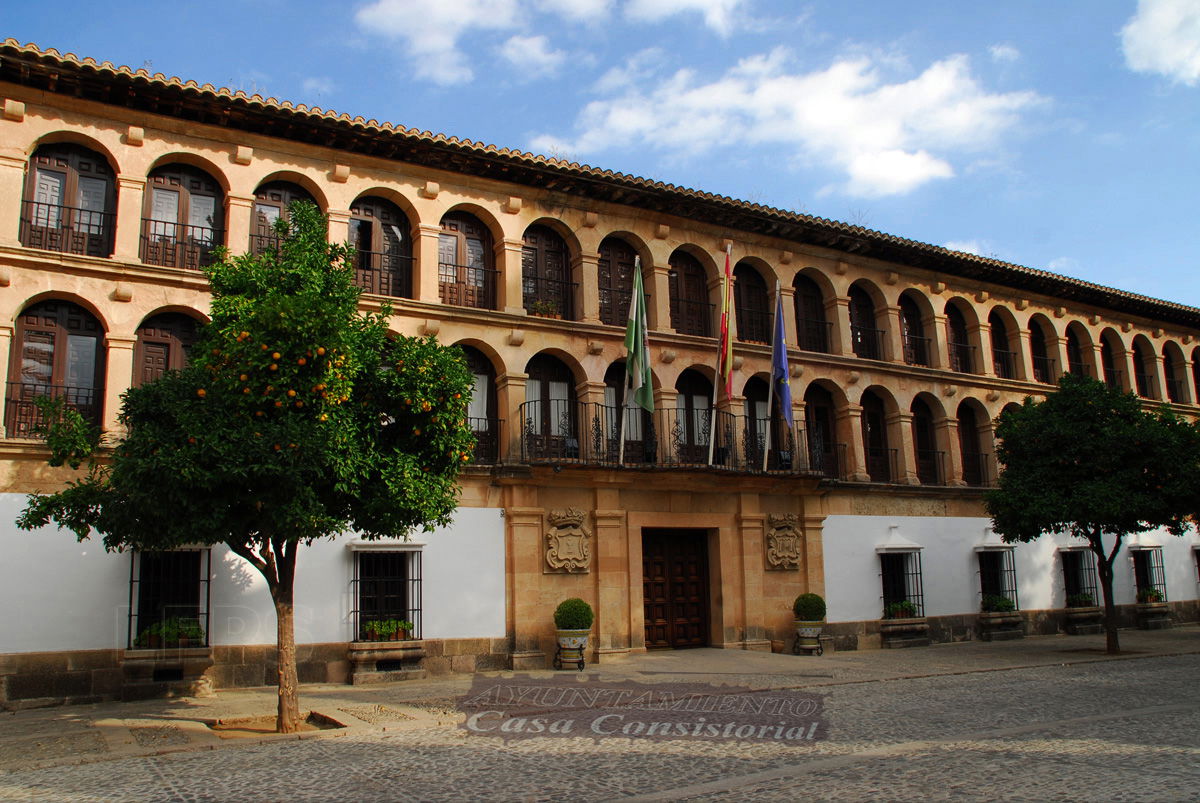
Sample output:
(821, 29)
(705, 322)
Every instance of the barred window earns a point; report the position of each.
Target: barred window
(1148, 576)
(997, 576)
(900, 574)
(169, 599)
(387, 589)
(1079, 577)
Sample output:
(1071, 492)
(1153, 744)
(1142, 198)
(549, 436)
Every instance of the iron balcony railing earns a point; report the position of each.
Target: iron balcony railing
(487, 432)
(548, 297)
(1076, 368)
(786, 452)
(1174, 390)
(386, 273)
(975, 470)
(467, 285)
(66, 229)
(177, 245)
(916, 350)
(827, 459)
(692, 317)
(1043, 369)
(882, 463)
(1004, 363)
(1141, 381)
(962, 358)
(814, 335)
(867, 342)
(21, 413)
(753, 325)
(931, 467)
(1113, 378)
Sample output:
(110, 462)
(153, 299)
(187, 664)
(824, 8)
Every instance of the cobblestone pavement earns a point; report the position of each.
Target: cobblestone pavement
(1047, 720)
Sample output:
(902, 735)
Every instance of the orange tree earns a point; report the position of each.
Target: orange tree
(297, 418)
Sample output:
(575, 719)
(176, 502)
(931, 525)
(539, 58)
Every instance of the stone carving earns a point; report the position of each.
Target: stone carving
(785, 544)
(568, 542)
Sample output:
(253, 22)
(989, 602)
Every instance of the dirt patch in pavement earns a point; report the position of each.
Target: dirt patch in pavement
(249, 727)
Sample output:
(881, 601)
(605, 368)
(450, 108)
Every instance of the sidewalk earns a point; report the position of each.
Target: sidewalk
(67, 735)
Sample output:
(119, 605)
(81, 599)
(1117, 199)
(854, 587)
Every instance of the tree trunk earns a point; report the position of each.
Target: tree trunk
(287, 719)
(1104, 566)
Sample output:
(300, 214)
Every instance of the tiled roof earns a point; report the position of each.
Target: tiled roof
(536, 170)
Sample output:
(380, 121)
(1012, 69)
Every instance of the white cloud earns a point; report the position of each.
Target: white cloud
(886, 138)
(532, 54)
(1164, 37)
(432, 30)
(318, 85)
(1067, 265)
(579, 10)
(720, 15)
(965, 246)
(1003, 53)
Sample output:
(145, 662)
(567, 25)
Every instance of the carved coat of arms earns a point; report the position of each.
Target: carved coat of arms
(568, 542)
(785, 544)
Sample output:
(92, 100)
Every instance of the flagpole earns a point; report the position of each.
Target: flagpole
(637, 267)
(722, 348)
(771, 384)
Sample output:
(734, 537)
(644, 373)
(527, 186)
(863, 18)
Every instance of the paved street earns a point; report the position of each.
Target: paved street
(1045, 718)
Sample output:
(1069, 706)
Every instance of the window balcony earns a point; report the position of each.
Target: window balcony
(467, 285)
(753, 325)
(814, 335)
(1004, 363)
(962, 358)
(1043, 369)
(175, 245)
(550, 298)
(67, 229)
(21, 413)
(384, 273)
(975, 470)
(692, 317)
(868, 343)
(931, 467)
(916, 350)
(881, 464)
(487, 440)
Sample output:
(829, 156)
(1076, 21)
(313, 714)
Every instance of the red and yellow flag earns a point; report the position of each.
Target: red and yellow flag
(725, 345)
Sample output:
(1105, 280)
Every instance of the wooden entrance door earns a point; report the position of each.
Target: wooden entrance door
(675, 588)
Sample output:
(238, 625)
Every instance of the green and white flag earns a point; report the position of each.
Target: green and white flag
(637, 365)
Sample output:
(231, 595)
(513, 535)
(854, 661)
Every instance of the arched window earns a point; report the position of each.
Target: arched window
(693, 418)
(877, 454)
(615, 280)
(466, 277)
(640, 441)
(824, 454)
(481, 411)
(959, 341)
(691, 312)
(382, 242)
(70, 201)
(930, 461)
(1075, 363)
(1142, 366)
(973, 468)
(1171, 373)
(1043, 366)
(752, 306)
(1108, 359)
(548, 414)
(271, 202)
(812, 330)
(867, 340)
(1004, 359)
(58, 351)
(1196, 373)
(183, 218)
(545, 274)
(164, 343)
(916, 344)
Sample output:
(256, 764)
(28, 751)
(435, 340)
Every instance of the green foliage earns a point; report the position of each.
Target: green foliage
(297, 418)
(1088, 461)
(1149, 595)
(171, 631)
(809, 608)
(386, 629)
(71, 439)
(997, 603)
(573, 614)
(900, 610)
(1080, 601)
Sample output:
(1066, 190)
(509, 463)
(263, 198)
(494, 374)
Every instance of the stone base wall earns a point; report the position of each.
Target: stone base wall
(31, 680)
(965, 627)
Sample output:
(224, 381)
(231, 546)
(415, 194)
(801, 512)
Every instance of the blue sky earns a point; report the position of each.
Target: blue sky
(1058, 135)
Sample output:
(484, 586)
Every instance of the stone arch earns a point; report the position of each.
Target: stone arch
(193, 160)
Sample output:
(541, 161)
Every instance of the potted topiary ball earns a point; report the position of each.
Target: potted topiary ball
(809, 610)
(573, 621)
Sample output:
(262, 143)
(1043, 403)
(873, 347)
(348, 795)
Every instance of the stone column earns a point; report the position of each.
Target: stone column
(788, 297)
(900, 435)
(239, 210)
(510, 295)
(1158, 384)
(611, 570)
(526, 556)
(339, 225)
(849, 426)
(947, 435)
(837, 310)
(893, 335)
(12, 187)
(982, 335)
(118, 377)
(510, 394)
(425, 264)
(1023, 359)
(130, 201)
(1056, 350)
(814, 559)
(659, 287)
(585, 273)
(939, 342)
(751, 532)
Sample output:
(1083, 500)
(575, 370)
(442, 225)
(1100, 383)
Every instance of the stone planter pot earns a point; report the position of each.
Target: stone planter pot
(1153, 615)
(1000, 626)
(808, 637)
(1084, 621)
(904, 632)
(572, 644)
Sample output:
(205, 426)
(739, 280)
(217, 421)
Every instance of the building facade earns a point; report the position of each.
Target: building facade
(696, 525)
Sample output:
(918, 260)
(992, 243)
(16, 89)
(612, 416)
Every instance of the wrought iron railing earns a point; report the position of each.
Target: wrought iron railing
(881, 463)
(867, 342)
(962, 358)
(975, 469)
(1043, 369)
(169, 599)
(753, 325)
(66, 229)
(176, 245)
(21, 413)
(548, 297)
(467, 285)
(828, 460)
(786, 452)
(384, 272)
(916, 350)
(1174, 390)
(487, 440)
(692, 317)
(1004, 363)
(814, 335)
(931, 467)
(386, 588)
(1114, 378)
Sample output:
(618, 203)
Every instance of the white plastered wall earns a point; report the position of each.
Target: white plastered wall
(950, 569)
(59, 594)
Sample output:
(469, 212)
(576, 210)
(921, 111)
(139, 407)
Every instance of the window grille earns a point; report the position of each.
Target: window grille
(900, 575)
(998, 575)
(387, 585)
(166, 586)
(1079, 576)
(1148, 574)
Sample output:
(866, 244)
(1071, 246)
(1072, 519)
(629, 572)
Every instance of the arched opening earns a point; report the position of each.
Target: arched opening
(1196, 372)
(959, 341)
(58, 351)
(548, 414)
(866, 339)
(70, 201)
(766, 433)
(481, 410)
(1004, 357)
(1143, 370)
(382, 240)
(878, 455)
(931, 463)
(183, 220)
(1076, 364)
(640, 442)
(691, 312)
(271, 201)
(974, 466)
(1043, 365)
(1110, 351)
(615, 280)
(812, 330)
(690, 432)
(912, 329)
(466, 274)
(825, 454)
(1173, 373)
(752, 305)
(546, 287)
(164, 343)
